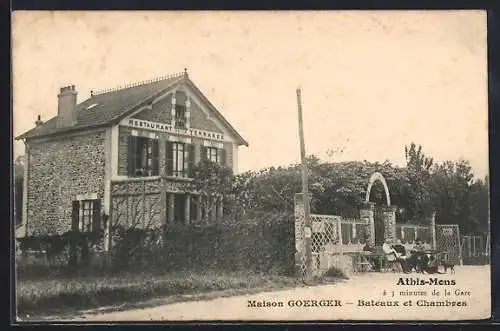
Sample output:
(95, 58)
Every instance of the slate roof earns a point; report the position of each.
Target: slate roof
(116, 104)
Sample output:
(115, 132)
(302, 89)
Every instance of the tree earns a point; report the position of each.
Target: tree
(418, 189)
(211, 179)
(460, 199)
(420, 198)
(336, 188)
(479, 205)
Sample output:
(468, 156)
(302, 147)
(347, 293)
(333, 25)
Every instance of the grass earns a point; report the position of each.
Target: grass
(59, 294)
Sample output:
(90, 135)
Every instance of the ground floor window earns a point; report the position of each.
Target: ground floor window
(87, 215)
(183, 208)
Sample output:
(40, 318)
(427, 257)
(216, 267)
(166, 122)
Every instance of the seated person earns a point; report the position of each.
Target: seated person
(375, 262)
(418, 258)
(419, 246)
(392, 255)
(432, 265)
(399, 248)
(368, 247)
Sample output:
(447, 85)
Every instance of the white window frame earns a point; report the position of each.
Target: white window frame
(213, 154)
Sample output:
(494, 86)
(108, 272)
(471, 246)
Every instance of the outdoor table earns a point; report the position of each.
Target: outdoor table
(359, 260)
(380, 256)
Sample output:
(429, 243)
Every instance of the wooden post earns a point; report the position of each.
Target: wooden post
(339, 226)
(433, 230)
(187, 208)
(305, 189)
(198, 208)
(108, 234)
(460, 257)
(213, 209)
(171, 206)
(143, 197)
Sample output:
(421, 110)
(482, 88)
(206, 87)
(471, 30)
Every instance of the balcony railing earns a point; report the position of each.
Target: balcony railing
(180, 122)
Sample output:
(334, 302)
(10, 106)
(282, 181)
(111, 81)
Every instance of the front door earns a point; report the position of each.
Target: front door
(379, 226)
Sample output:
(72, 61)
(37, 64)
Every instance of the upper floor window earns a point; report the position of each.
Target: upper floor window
(180, 159)
(212, 154)
(180, 116)
(217, 155)
(143, 157)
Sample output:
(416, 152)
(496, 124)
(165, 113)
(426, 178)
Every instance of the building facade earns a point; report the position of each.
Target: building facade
(127, 154)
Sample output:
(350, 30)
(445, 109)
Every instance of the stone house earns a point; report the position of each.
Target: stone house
(124, 152)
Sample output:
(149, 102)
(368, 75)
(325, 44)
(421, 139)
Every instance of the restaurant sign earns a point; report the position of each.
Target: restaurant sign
(162, 127)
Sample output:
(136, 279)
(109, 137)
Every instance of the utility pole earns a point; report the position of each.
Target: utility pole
(305, 190)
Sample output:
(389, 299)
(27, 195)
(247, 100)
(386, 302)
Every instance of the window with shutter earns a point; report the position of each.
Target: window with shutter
(179, 166)
(191, 151)
(142, 157)
(155, 158)
(86, 215)
(75, 215)
(131, 156)
(213, 154)
(186, 161)
(96, 213)
(203, 153)
(222, 157)
(170, 158)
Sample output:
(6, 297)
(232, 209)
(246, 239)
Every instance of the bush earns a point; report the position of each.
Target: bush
(335, 272)
(54, 254)
(259, 244)
(262, 243)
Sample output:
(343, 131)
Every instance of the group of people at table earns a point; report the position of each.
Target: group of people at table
(397, 255)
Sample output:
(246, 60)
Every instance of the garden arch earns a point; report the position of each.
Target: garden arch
(374, 177)
(383, 219)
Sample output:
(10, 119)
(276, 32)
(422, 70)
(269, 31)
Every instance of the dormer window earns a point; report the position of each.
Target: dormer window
(180, 116)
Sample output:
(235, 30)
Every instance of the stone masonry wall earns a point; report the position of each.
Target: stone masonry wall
(389, 213)
(58, 171)
(366, 214)
(123, 134)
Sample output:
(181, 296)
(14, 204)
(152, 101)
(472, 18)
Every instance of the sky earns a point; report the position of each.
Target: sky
(371, 82)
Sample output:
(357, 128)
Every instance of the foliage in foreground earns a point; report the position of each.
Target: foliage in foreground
(89, 292)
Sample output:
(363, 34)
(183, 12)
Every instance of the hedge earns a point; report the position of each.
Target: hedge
(255, 244)
(263, 243)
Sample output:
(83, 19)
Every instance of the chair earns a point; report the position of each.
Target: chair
(361, 263)
(390, 264)
(364, 265)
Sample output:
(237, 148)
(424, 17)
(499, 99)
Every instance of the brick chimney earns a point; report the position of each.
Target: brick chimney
(66, 111)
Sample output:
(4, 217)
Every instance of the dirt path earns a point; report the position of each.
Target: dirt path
(472, 287)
